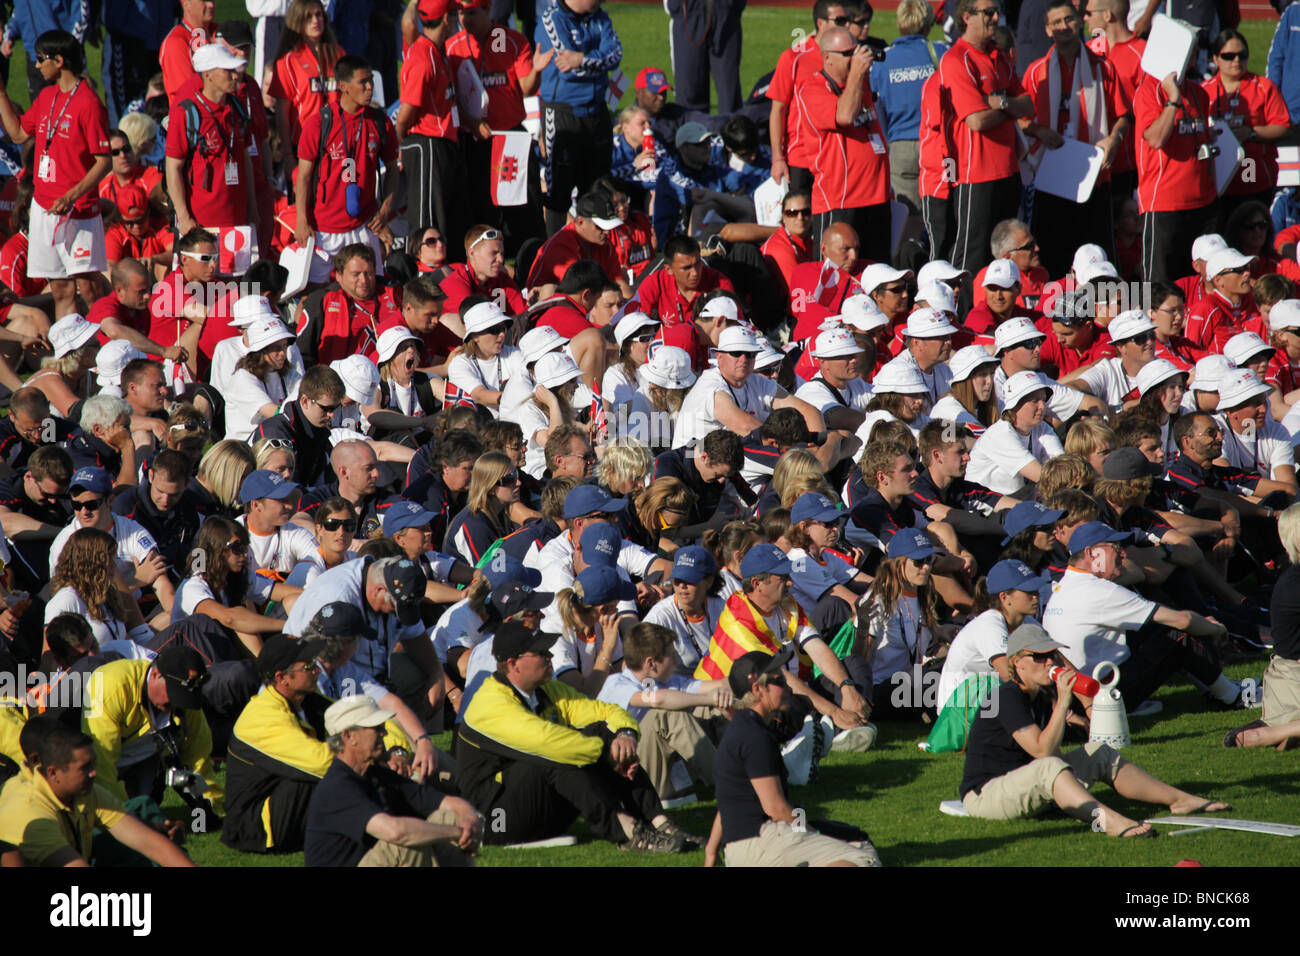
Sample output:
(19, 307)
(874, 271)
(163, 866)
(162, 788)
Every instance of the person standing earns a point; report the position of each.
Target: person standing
(986, 99)
(576, 48)
(134, 31)
(194, 31)
(70, 127)
(427, 123)
(704, 39)
(1107, 21)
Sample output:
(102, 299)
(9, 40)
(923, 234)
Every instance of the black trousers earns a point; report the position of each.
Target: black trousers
(575, 153)
(230, 686)
(1061, 226)
(128, 65)
(437, 189)
(517, 223)
(801, 179)
(1156, 655)
(939, 224)
(538, 801)
(978, 207)
(704, 38)
(289, 802)
(1167, 239)
(871, 223)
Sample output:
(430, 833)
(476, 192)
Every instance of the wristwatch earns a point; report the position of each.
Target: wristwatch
(1004, 101)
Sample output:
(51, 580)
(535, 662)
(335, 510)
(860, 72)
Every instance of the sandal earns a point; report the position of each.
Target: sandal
(1150, 833)
(646, 839)
(1230, 738)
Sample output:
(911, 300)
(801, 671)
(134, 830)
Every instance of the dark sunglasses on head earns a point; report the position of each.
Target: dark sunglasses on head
(87, 504)
(334, 524)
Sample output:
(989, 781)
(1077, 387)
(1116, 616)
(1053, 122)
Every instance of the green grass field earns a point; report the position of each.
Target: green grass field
(894, 792)
(643, 29)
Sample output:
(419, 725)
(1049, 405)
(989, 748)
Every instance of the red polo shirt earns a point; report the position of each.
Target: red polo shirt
(501, 63)
(358, 143)
(566, 317)
(633, 243)
(970, 76)
(564, 249)
(427, 85)
(174, 55)
(111, 307)
(299, 79)
(13, 267)
(215, 200)
(250, 96)
(1126, 59)
(1180, 350)
(1172, 178)
(782, 252)
(1257, 102)
(119, 244)
(1097, 346)
(851, 166)
(1113, 101)
(793, 66)
(460, 284)
(1214, 320)
(659, 296)
(817, 291)
(70, 131)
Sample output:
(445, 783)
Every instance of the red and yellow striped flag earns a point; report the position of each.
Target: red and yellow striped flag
(742, 629)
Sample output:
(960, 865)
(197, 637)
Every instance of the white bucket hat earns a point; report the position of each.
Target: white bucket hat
(669, 367)
(966, 360)
(390, 340)
(555, 369)
(70, 333)
(360, 377)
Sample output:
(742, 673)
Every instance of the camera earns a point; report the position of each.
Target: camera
(877, 47)
(1207, 151)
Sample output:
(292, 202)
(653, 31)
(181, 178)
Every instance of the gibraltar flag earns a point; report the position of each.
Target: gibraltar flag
(510, 168)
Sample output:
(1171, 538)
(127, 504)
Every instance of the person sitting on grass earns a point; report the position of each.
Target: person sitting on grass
(662, 701)
(1014, 765)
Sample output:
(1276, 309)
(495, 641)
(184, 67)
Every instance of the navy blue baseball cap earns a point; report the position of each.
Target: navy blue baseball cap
(512, 597)
(812, 506)
(600, 585)
(405, 583)
(405, 514)
(747, 668)
(600, 544)
(1095, 532)
(265, 484)
(91, 479)
(764, 559)
(910, 543)
(503, 568)
(341, 619)
(693, 564)
(590, 499)
(1028, 514)
(1012, 575)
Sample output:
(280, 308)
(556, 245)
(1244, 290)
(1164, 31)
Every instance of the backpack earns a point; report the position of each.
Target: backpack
(327, 123)
(194, 122)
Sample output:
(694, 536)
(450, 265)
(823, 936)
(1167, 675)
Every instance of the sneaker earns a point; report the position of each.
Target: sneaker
(797, 754)
(646, 839)
(857, 740)
(689, 840)
(1148, 708)
(1248, 697)
(681, 800)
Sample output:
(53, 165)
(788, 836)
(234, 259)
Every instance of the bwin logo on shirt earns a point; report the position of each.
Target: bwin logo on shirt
(77, 910)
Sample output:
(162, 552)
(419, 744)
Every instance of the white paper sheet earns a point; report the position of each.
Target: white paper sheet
(1070, 171)
(1169, 47)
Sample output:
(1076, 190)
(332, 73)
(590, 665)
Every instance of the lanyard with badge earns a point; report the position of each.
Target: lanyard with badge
(232, 166)
(352, 188)
(45, 170)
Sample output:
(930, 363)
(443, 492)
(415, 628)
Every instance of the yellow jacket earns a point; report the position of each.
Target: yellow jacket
(498, 729)
(114, 715)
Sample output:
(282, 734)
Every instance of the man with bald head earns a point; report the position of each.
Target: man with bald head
(851, 162)
(357, 468)
(818, 289)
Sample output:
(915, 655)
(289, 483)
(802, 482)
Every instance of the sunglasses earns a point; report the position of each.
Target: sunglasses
(1143, 339)
(1259, 224)
(195, 427)
(589, 456)
(739, 354)
(803, 212)
(311, 668)
(843, 52)
(1230, 57)
(1047, 658)
(334, 524)
(648, 337)
(201, 256)
(926, 562)
(1240, 270)
(327, 409)
(283, 444)
(433, 241)
(990, 13)
(43, 58)
(508, 480)
(121, 151)
(1029, 246)
(87, 504)
(777, 680)
(237, 547)
(489, 235)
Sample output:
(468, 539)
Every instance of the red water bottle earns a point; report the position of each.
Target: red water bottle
(648, 146)
(1083, 684)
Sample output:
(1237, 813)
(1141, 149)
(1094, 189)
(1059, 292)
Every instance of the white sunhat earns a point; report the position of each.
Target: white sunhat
(249, 309)
(938, 295)
(112, 359)
(1221, 260)
(1285, 314)
(966, 360)
(1128, 324)
(390, 341)
(358, 710)
(538, 342)
(360, 377)
(669, 367)
(1020, 386)
(266, 332)
(70, 333)
(1244, 346)
(770, 354)
(630, 324)
(484, 316)
(723, 307)
(928, 324)
(878, 273)
(738, 338)
(899, 378)
(1092, 271)
(940, 271)
(1238, 386)
(555, 369)
(836, 343)
(216, 56)
(1014, 331)
(861, 312)
(1156, 372)
(1002, 274)
(1210, 372)
(1206, 245)
(1087, 253)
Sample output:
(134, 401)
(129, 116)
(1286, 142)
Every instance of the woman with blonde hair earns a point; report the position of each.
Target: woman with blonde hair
(275, 454)
(797, 471)
(970, 400)
(665, 505)
(87, 583)
(221, 471)
(589, 644)
(493, 488)
(303, 78)
(483, 366)
(1065, 471)
(1091, 439)
(661, 386)
(624, 467)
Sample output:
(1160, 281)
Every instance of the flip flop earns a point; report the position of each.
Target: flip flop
(1150, 833)
(1230, 738)
(1205, 808)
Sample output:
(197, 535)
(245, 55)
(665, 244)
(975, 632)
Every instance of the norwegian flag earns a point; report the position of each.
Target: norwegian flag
(367, 344)
(454, 396)
(598, 413)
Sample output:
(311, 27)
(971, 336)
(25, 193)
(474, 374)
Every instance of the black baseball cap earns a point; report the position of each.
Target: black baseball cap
(340, 619)
(236, 33)
(185, 671)
(750, 666)
(406, 582)
(512, 639)
(1129, 462)
(280, 652)
(512, 597)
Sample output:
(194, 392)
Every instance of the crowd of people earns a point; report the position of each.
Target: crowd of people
(324, 439)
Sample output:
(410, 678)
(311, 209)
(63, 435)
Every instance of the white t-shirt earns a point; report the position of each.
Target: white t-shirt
(228, 352)
(817, 393)
(938, 381)
(1263, 451)
(571, 652)
(531, 419)
(1109, 382)
(193, 591)
(1001, 452)
(880, 415)
(280, 550)
(972, 652)
(133, 542)
(620, 688)
(639, 418)
(459, 626)
(948, 409)
(616, 388)
(697, 417)
(1063, 401)
(245, 395)
(692, 637)
(67, 601)
(468, 373)
(555, 561)
(1090, 617)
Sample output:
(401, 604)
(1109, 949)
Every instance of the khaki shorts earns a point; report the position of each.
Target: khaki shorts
(779, 844)
(1281, 691)
(1027, 791)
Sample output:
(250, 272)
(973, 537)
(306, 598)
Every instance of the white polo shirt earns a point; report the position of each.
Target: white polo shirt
(1109, 382)
(1264, 451)
(697, 417)
(1001, 452)
(1091, 616)
(821, 396)
(972, 652)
